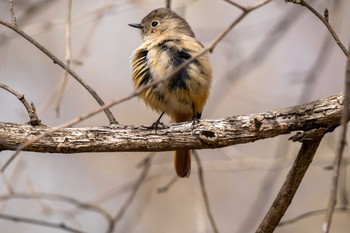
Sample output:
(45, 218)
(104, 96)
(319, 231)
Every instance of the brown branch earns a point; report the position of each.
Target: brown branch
(60, 226)
(33, 117)
(285, 196)
(325, 22)
(340, 151)
(208, 133)
(65, 67)
(204, 193)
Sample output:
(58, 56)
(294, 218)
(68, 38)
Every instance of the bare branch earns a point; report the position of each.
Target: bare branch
(60, 226)
(325, 22)
(292, 181)
(65, 67)
(62, 198)
(208, 133)
(34, 120)
(310, 214)
(249, 64)
(340, 151)
(236, 5)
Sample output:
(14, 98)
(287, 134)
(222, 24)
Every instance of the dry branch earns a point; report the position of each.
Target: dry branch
(57, 61)
(34, 119)
(208, 133)
(292, 182)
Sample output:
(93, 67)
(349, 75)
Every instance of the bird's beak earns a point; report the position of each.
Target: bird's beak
(135, 25)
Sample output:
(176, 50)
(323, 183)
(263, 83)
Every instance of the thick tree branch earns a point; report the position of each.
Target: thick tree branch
(208, 133)
(292, 181)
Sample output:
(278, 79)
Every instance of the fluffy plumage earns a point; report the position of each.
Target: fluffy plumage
(168, 41)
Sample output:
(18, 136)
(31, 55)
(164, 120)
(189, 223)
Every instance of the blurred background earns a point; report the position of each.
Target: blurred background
(278, 56)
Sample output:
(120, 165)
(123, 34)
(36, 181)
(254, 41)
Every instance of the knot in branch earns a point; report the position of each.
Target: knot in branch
(208, 137)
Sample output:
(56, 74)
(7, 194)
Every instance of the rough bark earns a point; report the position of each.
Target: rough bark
(208, 133)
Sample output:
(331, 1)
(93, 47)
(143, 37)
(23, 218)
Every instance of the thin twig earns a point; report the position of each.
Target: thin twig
(249, 64)
(204, 192)
(236, 5)
(13, 16)
(343, 184)
(310, 214)
(33, 117)
(166, 187)
(60, 226)
(340, 151)
(292, 181)
(62, 198)
(146, 168)
(83, 51)
(68, 55)
(105, 107)
(33, 10)
(325, 22)
(65, 67)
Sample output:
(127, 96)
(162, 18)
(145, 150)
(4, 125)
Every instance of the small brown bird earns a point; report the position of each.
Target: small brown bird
(168, 41)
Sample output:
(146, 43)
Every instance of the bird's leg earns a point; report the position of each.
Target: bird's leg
(196, 117)
(157, 123)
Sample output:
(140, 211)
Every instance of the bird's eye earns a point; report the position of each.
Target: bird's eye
(154, 23)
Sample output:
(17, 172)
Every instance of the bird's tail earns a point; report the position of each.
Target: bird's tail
(182, 159)
(182, 162)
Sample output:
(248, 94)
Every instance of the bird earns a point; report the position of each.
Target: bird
(167, 42)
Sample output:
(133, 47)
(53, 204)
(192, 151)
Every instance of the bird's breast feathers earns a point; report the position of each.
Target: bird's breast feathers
(154, 60)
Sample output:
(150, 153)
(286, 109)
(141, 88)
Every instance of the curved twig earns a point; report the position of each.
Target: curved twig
(60, 226)
(310, 214)
(61, 198)
(325, 22)
(94, 94)
(33, 117)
